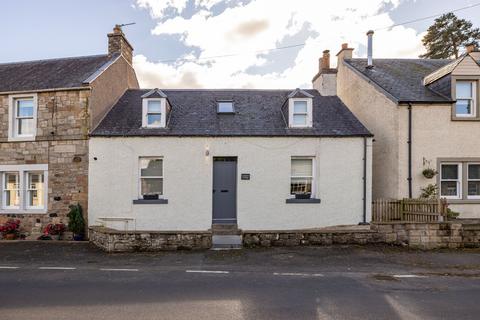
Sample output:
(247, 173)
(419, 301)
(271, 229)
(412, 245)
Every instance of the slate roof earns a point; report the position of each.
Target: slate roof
(50, 74)
(257, 113)
(402, 79)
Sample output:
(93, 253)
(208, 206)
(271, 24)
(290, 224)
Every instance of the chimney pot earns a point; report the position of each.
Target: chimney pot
(344, 46)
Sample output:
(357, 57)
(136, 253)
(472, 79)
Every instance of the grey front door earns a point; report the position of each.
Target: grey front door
(225, 190)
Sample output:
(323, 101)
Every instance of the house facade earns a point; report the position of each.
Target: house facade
(189, 160)
(424, 114)
(47, 110)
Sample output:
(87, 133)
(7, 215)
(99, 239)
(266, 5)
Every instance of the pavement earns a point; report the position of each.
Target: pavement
(55, 280)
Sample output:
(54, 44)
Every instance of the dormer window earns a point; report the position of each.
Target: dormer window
(154, 109)
(466, 99)
(300, 109)
(225, 107)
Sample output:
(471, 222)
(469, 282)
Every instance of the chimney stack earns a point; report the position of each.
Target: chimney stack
(324, 61)
(370, 49)
(118, 43)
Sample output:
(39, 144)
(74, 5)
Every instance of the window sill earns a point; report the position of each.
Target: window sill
(463, 201)
(25, 139)
(456, 118)
(22, 211)
(156, 201)
(311, 200)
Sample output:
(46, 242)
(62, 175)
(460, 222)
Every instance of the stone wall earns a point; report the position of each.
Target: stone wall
(309, 238)
(111, 240)
(413, 235)
(61, 142)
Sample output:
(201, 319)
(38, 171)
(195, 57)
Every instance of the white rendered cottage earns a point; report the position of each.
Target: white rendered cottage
(184, 160)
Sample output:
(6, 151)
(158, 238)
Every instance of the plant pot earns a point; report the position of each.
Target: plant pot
(429, 173)
(78, 237)
(302, 196)
(67, 235)
(150, 197)
(10, 236)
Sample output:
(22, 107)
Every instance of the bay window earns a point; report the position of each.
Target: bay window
(23, 188)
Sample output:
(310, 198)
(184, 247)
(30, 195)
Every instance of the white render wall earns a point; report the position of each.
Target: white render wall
(113, 182)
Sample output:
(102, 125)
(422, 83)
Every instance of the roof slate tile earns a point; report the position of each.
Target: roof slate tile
(257, 113)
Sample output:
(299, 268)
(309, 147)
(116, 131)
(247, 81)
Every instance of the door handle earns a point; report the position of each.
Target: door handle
(223, 190)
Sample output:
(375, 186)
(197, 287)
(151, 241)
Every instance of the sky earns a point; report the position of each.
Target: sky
(177, 42)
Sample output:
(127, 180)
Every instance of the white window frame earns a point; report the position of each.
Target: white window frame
(23, 171)
(312, 159)
(4, 197)
(458, 181)
(27, 189)
(468, 180)
(473, 99)
(12, 117)
(291, 112)
(163, 113)
(140, 195)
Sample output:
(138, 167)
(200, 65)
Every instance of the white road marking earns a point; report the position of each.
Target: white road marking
(298, 274)
(57, 268)
(206, 271)
(110, 269)
(407, 276)
(7, 267)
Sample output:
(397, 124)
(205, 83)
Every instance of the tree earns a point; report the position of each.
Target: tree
(445, 37)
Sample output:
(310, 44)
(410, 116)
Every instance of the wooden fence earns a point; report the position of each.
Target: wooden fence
(409, 210)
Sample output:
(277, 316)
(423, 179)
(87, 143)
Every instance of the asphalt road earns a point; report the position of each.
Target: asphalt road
(76, 281)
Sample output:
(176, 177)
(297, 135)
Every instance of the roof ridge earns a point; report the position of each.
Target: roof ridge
(404, 59)
(53, 59)
(214, 89)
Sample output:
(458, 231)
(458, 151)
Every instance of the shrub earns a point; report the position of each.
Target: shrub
(76, 223)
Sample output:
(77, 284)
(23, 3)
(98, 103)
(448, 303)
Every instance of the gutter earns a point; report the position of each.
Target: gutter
(409, 142)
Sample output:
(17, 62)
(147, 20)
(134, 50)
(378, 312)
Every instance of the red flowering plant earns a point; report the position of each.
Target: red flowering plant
(54, 229)
(12, 226)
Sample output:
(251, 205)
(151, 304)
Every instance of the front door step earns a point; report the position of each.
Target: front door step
(226, 242)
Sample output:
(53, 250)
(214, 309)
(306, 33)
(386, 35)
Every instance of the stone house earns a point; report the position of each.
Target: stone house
(47, 110)
(190, 161)
(424, 114)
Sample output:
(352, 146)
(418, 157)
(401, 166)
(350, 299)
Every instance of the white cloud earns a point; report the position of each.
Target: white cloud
(263, 24)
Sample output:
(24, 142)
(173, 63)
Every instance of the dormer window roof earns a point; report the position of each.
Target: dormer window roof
(300, 109)
(155, 109)
(225, 106)
(155, 93)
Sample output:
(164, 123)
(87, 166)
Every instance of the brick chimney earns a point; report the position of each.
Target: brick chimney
(325, 81)
(324, 61)
(118, 43)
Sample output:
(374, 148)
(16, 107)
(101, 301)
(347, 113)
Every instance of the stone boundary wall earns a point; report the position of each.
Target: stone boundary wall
(111, 240)
(414, 235)
(319, 237)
